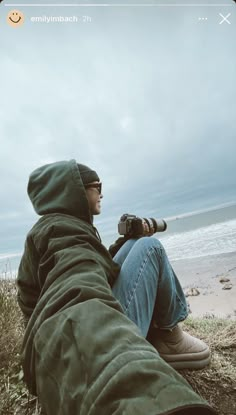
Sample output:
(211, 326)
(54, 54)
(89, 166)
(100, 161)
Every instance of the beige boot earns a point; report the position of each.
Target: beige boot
(179, 349)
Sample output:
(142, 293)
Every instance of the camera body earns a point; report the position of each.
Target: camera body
(132, 225)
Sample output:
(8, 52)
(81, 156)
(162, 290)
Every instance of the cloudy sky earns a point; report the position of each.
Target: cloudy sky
(145, 95)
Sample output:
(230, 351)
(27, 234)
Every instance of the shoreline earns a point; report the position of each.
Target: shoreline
(204, 273)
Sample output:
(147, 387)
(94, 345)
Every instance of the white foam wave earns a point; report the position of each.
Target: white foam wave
(214, 239)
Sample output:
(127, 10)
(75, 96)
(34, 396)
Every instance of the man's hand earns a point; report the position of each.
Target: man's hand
(146, 230)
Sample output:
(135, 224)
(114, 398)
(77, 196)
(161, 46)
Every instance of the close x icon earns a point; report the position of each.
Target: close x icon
(225, 18)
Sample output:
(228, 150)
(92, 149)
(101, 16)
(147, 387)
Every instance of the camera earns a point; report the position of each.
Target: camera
(132, 225)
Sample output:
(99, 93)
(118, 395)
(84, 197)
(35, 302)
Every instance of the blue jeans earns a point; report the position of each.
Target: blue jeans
(147, 287)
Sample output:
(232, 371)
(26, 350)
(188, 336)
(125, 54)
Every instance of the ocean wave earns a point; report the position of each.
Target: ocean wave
(214, 239)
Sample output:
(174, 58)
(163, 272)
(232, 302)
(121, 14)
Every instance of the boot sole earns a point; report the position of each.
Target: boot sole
(188, 361)
(200, 364)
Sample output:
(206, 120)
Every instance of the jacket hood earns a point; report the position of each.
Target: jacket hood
(58, 188)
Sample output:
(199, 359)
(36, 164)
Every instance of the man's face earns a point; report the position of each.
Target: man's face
(94, 197)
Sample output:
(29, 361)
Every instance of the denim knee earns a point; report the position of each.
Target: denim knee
(147, 242)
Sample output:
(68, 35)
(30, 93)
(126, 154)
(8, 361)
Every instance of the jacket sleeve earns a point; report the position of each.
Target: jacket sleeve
(114, 248)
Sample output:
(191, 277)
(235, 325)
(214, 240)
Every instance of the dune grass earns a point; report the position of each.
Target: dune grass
(217, 383)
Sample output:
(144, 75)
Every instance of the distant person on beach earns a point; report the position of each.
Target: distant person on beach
(102, 326)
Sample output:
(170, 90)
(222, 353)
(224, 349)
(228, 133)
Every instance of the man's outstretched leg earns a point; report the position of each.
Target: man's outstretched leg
(152, 297)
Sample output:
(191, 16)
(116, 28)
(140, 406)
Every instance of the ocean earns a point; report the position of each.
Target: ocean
(199, 234)
(191, 235)
(214, 239)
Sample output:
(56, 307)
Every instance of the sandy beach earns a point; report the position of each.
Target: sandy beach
(204, 274)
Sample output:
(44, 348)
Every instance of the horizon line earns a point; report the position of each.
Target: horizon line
(9, 255)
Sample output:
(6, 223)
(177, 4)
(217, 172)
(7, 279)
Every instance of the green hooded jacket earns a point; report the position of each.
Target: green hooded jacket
(81, 354)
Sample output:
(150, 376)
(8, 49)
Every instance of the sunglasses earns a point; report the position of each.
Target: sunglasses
(97, 186)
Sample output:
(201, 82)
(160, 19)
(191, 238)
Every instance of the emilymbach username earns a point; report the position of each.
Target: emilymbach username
(61, 19)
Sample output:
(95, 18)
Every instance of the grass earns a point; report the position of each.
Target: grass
(216, 383)
(14, 395)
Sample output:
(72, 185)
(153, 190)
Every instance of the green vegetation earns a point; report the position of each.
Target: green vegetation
(217, 383)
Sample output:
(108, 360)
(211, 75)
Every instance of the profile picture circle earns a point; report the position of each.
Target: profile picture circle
(15, 18)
